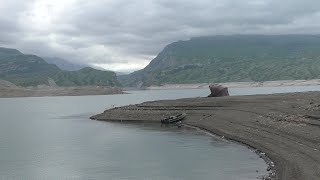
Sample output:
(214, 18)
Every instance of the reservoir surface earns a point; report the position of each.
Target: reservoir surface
(52, 138)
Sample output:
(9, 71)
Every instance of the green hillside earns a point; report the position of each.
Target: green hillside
(86, 76)
(31, 70)
(232, 58)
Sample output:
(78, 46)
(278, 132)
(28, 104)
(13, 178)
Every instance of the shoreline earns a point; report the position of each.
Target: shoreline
(11, 92)
(285, 127)
(312, 82)
(271, 171)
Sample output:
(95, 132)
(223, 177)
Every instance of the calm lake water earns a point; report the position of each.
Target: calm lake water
(52, 138)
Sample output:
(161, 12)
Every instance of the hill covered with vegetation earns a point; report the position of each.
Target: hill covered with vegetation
(232, 58)
(30, 70)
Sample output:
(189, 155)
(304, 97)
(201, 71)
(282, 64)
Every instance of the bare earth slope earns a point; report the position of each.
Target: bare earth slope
(284, 126)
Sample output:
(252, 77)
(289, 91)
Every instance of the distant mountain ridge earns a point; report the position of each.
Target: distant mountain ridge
(13, 61)
(232, 58)
(31, 70)
(64, 64)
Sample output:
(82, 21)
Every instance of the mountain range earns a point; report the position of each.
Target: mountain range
(212, 59)
(31, 70)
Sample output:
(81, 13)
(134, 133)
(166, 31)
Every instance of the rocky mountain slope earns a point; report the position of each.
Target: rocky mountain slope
(232, 58)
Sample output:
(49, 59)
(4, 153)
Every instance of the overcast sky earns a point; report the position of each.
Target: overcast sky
(124, 35)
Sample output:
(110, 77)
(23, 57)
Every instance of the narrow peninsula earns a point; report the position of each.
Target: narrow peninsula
(285, 127)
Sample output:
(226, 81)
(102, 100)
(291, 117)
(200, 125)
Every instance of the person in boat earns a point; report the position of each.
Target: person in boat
(218, 90)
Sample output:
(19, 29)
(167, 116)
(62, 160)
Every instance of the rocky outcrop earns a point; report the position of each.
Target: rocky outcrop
(218, 90)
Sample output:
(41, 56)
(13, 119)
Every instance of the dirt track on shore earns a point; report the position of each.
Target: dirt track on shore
(284, 126)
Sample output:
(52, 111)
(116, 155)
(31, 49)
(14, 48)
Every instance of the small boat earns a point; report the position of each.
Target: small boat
(173, 119)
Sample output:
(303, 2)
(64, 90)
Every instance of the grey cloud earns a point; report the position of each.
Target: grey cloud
(122, 31)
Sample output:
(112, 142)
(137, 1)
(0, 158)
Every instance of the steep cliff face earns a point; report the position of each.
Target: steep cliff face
(31, 70)
(232, 58)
